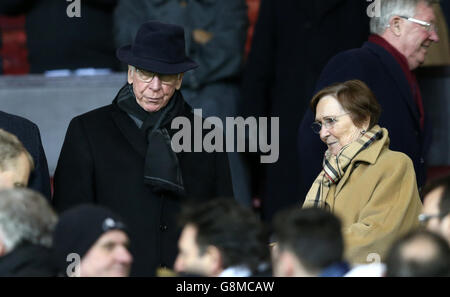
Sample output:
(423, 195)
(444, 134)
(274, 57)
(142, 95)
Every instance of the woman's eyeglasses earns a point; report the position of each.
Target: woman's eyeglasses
(328, 122)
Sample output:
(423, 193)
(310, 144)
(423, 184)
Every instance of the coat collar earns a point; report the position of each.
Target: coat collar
(129, 130)
(369, 156)
(397, 75)
(127, 126)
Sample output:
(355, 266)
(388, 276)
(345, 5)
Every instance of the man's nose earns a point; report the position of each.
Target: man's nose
(155, 83)
(178, 266)
(123, 255)
(434, 36)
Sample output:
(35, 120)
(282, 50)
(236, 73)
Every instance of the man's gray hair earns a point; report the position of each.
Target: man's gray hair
(10, 149)
(391, 8)
(25, 216)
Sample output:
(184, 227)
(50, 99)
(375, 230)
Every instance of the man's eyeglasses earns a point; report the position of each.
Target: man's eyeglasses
(427, 26)
(424, 218)
(147, 76)
(328, 122)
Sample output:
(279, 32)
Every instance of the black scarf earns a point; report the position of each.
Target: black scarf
(162, 170)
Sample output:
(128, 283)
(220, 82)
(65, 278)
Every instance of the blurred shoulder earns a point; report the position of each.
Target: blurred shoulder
(10, 120)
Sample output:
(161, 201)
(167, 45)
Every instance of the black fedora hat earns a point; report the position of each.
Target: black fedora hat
(158, 47)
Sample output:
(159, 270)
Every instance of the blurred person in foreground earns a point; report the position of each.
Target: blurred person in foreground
(222, 238)
(420, 253)
(26, 225)
(309, 242)
(436, 207)
(91, 241)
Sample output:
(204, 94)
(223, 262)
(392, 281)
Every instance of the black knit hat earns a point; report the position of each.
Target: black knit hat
(158, 47)
(79, 228)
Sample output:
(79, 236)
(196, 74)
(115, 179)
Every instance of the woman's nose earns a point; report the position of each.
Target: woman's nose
(324, 132)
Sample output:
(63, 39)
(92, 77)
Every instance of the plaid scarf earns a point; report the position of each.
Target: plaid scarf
(334, 167)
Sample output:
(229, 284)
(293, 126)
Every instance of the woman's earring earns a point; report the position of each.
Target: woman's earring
(363, 132)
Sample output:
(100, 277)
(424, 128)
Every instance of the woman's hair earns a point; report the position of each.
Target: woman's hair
(356, 98)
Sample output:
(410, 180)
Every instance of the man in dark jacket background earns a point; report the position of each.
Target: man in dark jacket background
(120, 155)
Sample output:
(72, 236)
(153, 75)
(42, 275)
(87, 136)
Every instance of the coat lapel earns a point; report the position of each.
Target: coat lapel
(367, 156)
(397, 75)
(130, 131)
(344, 179)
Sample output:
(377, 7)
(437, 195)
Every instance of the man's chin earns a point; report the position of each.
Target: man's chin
(420, 63)
(152, 107)
(416, 64)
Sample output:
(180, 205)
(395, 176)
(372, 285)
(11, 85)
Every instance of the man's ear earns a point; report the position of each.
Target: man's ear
(445, 227)
(394, 26)
(287, 263)
(2, 247)
(215, 260)
(130, 74)
(179, 81)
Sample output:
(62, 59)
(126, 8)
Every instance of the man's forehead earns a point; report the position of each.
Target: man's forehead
(425, 12)
(115, 235)
(152, 71)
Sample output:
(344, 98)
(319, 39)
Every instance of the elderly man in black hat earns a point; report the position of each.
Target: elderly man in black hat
(120, 155)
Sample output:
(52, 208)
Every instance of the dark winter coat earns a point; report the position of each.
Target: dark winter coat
(102, 162)
(27, 260)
